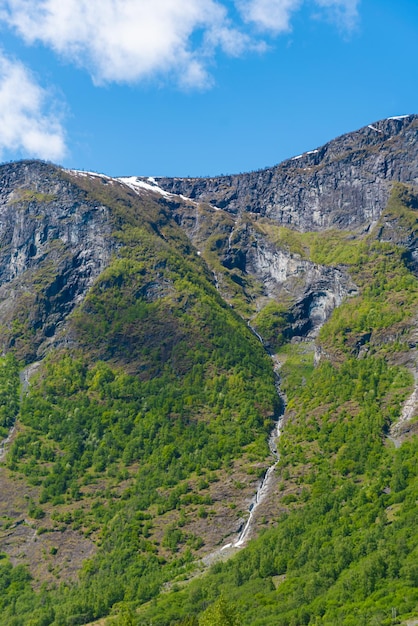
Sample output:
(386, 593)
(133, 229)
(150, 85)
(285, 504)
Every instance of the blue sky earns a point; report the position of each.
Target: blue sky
(198, 87)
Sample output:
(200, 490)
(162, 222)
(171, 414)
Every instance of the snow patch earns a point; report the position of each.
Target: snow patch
(136, 184)
(398, 117)
(304, 154)
(186, 199)
(94, 174)
(374, 128)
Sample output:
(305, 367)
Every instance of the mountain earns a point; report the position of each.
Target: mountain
(344, 184)
(173, 346)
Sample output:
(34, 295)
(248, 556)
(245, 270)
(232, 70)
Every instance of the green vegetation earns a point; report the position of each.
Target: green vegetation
(9, 393)
(327, 247)
(297, 365)
(30, 196)
(338, 555)
(123, 436)
(81, 422)
(164, 390)
(400, 217)
(270, 323)
(382, 312)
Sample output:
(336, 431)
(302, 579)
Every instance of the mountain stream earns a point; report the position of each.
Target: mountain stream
(265, 485)
(5, 442)
(408, 412)
(25, 376)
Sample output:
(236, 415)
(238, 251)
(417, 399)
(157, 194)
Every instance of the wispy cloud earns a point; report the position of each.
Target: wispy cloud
(343, 12)
(26, 125)
(135, 40)
(269, 15)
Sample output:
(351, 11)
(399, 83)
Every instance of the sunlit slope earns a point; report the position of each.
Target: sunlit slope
(345, 550)
(156, 396)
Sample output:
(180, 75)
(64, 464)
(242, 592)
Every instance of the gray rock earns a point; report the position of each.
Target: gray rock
(53, 244)
(344, 184)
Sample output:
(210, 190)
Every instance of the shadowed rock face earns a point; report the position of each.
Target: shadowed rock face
(344, 184)
(37, 208)
(55, 240)
(53, 244)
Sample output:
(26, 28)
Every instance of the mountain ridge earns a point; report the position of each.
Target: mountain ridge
(153, 332)
(260, 192)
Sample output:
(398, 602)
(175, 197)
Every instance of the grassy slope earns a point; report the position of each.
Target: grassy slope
(346, 550)
(126, 436)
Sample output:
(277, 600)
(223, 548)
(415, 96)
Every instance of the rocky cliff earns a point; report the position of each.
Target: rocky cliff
(344, 184)
(56, 239)
(53, 244)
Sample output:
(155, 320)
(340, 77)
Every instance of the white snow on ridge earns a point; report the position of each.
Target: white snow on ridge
(398, 117)
(187, 199)
(95, 174)
(136, 183)
(304, 154)
(133, 182)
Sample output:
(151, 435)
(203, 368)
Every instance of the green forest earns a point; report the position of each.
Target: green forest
(124, 436)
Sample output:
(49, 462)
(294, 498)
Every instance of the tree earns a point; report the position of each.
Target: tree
(221, 613)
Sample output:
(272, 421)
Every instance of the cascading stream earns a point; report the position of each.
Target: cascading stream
(6, 441)
(265, 485)
(24, 375)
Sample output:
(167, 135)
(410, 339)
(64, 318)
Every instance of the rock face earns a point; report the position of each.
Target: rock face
(52, 247)
(344, 184)
(315, 289)
(55, 240)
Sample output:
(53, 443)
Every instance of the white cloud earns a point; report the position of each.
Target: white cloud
(275, 16)
(26, 126)
(269, 15)
(343, 12)
(135, 40)
(128, 40)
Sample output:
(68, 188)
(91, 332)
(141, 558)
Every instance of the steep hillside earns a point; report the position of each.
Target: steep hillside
(153, 332)
(338, 541)
(286, 234)
(143, 430)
